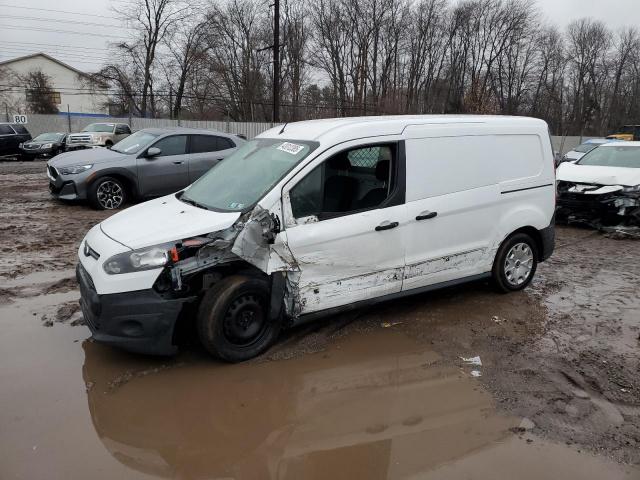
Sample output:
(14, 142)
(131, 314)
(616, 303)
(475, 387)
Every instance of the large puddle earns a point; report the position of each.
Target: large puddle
(373, 405)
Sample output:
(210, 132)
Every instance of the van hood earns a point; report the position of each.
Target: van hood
(87, 156)
(571, 172)
(164, 220)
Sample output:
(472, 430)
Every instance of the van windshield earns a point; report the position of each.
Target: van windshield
(244, 177)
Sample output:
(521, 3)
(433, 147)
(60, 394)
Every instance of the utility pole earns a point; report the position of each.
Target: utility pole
(276, 61)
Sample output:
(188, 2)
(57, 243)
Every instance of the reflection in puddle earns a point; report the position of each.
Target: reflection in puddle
(374, 406)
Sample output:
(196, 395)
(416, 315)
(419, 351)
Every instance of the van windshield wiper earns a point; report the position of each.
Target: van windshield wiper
(184, 199)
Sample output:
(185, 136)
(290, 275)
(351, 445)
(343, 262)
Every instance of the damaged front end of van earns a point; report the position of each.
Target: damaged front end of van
(151, 321)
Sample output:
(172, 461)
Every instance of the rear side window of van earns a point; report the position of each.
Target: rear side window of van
(443, 165)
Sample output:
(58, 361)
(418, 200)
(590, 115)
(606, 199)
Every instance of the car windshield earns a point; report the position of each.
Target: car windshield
(240, 180)
(49, 137)
(135, 142)
(99, 127)
(623, 156)
(585, 148)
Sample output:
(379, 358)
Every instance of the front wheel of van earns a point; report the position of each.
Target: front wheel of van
(233, 319)
(515, 263)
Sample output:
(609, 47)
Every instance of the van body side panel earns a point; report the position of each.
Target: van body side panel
(483, 185)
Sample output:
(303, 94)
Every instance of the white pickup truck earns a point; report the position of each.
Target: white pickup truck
(98, 135)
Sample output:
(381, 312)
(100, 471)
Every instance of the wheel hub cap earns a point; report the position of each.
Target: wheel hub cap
(518, 264)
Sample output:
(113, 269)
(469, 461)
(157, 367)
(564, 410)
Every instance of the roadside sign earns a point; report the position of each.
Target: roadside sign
(21, 119)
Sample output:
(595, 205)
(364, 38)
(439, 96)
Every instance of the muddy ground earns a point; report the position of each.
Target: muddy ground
(377, 393)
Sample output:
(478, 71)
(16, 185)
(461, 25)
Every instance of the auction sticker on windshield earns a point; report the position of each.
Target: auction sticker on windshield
(291, 148)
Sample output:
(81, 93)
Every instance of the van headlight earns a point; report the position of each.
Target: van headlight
(635, 189)
(74, 170)
(147, 258)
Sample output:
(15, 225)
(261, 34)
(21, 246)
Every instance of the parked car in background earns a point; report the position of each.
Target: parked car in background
(44, 145)
(628, 133)
(98, 135)
(585, 147)
(603, 187)
(149, 163)
(11, 136)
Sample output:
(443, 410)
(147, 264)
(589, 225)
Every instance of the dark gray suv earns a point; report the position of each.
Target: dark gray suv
(149, 163)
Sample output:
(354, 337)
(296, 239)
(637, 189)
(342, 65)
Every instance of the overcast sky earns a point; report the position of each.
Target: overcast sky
(26, 25)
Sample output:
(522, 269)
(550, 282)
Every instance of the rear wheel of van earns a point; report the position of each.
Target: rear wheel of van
(515, 263)
(233, 319)
(107, 193)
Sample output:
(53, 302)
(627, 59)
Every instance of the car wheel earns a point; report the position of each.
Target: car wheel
(233, 319)
(108, 144)
(107, 193)
(515, 263)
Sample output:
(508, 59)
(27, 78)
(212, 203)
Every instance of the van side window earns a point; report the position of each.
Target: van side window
(352, 180)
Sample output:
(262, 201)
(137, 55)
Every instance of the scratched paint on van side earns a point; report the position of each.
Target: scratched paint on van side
(459, 261)
(314, 296)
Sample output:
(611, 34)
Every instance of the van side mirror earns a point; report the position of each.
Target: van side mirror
(153, 152)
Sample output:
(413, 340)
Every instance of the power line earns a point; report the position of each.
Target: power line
(57, 20)
(57, 52)
(56, 45)
(42, 29)
(164, 94)
(54, 11)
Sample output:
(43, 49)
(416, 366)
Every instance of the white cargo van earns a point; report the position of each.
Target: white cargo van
(313, 217)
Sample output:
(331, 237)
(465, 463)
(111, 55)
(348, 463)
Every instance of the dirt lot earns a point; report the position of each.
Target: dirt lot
(378, 393)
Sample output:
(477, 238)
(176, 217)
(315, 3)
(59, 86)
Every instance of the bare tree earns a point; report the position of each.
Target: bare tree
(39, 92)
(151, 20)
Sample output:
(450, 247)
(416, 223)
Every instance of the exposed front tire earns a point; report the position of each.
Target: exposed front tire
(107, 193)
(515, 263)
(233, 319)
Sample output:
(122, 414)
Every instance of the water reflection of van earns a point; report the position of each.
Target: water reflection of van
(315, 217)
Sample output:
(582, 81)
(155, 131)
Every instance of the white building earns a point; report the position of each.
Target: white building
(71, 89)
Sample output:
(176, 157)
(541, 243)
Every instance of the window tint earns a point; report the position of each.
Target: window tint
(350, 181)
(174, 145)
(122, 129)
(6, 130)
(204, 143)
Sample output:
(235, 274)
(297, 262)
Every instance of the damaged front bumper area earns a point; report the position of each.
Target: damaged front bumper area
(599, 206)
(141, 321)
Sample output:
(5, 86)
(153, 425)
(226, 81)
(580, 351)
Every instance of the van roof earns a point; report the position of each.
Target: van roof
(356, 127)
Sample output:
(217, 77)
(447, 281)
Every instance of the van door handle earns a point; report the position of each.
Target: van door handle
(386, 225)
(178, 162)
(426, 215)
